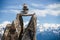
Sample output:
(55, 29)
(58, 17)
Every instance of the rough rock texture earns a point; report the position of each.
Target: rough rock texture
(21, 33)
(29, 32)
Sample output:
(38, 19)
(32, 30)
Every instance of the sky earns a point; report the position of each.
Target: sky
(47, 12)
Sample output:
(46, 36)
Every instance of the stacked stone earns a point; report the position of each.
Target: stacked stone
(22, 33)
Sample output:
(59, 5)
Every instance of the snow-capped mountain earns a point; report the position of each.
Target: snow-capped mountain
(2, 27)
(43, 31)
(48, 32)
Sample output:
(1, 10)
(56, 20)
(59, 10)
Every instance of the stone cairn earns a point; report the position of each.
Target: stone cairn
(17, 29)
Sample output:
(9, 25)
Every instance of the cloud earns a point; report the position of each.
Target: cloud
(39, 12)
(50, 9)
(11, 7)
(48, 27)
(47, 6)
(43, 13)
(53, 6)
(54, 12)
(36, 5)
(10, 11)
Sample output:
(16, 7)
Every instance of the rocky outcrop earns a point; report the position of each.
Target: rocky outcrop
(16, 30)
(30, 31)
